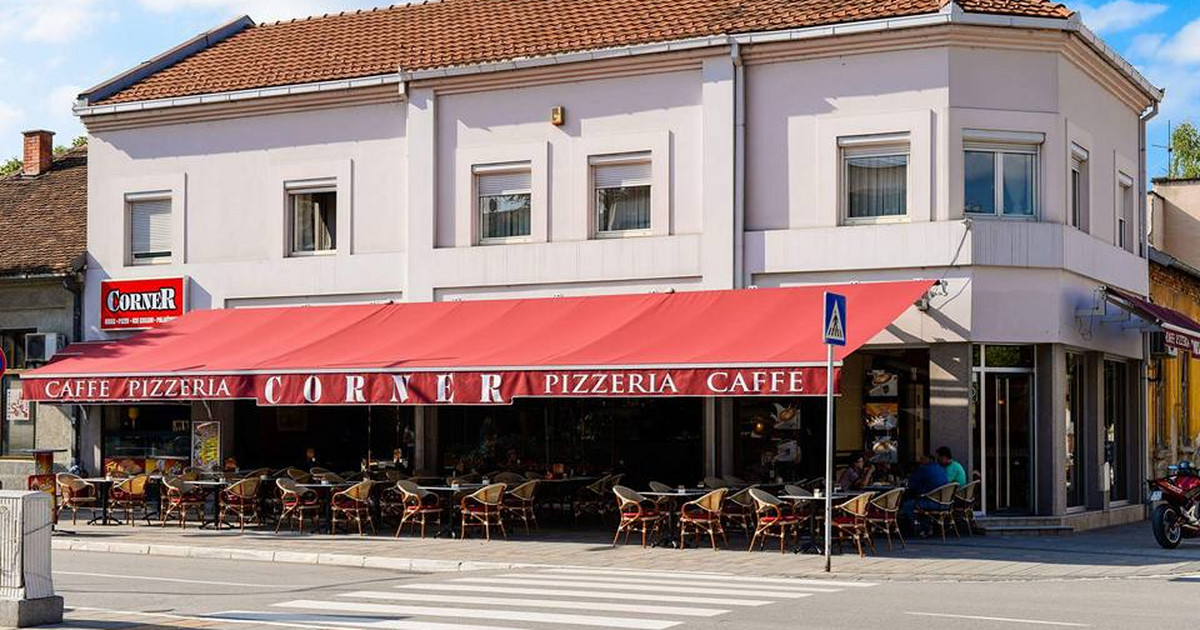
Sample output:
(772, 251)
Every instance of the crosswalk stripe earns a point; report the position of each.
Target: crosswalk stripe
(590, 593)
(488, 614)
(705, 576)
(339, 622)
(731, 588)
(691, 590)
(539, 603)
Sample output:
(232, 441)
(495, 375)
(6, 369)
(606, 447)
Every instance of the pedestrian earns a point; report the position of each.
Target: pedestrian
(955, 473)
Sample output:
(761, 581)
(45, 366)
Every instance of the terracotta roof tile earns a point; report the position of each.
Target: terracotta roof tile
(43, 219)
(462, 32)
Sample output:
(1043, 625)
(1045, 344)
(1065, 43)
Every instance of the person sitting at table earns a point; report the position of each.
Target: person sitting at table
(954, 470)
(883, 474)
(856, 475)
(928, 476)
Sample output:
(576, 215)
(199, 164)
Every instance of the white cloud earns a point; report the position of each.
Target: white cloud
(260, 10)
(1118, 15)
(48, 21)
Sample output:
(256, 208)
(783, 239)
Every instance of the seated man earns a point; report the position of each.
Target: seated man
(928, 476)
(954, 470)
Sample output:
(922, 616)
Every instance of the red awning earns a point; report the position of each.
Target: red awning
(1179, 330)
(703, 343)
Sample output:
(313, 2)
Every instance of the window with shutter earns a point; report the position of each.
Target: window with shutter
(313, 220)
(149, 230)
(621, 188)
(503, 200)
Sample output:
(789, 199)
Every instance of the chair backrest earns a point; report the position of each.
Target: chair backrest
(258, 472)
(69, 482)
(943, 495)
(857, 506)
(510, 478)
(712, 501)
(245, 489)
(489, 495)
(967, 493)
(360, 491)
(287, 485)
(299, 475)
(796, 491)
(331, 477)
(712, 483)
(763, 499)
(626, 495)
(733, 480)
(741, 497)
(600, 486)
(613, 480)
(660, 487)
(317, 470)
(889, 501)
(526, 490)
(407, 486)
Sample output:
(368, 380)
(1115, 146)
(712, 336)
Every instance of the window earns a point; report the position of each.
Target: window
(1000, 173)
(875, 176)
(1079, 187)
(313, 215)
(503, 198)
(1125, 237)
(622, 193)
(12, 343)
(1073, 431)
(149, 230)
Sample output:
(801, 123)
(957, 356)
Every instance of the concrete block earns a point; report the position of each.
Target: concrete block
(26, 613)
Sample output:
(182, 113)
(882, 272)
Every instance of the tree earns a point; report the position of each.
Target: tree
(1185, 152)
(9, 167)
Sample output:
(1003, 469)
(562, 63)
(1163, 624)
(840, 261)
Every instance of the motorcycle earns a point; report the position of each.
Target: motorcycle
(1176, 500)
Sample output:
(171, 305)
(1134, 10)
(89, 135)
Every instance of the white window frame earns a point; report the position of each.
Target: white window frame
(873, 145)
(306, 187)
(1078, 197)
(1126, 216)
(633, 157)
(1000, 143)
(499, 169)
(131, 198)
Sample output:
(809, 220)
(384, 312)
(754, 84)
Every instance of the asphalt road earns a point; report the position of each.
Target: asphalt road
(167, 592)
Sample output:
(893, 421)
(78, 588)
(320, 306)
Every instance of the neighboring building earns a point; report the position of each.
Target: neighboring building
(464, 150)
(43, 243)
(1174, 392)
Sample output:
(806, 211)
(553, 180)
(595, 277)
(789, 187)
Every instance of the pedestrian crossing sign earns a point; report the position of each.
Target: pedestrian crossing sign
(834, 323)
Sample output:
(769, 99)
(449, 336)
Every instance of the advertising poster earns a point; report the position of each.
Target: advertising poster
(16, 407)
(883, 384)
(206, 445)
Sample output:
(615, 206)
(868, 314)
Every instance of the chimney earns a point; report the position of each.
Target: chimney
(39, 150)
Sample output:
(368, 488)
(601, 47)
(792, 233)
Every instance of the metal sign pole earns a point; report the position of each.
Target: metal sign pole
(828, 455)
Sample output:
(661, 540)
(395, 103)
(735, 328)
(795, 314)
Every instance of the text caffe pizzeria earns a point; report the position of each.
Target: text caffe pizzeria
(666, 387)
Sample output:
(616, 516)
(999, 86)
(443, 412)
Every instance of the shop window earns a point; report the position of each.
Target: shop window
(1000, 173)
(1073, 432)
(312, 218)
(1078, 187)
(133, 433)
(149, 229)
(1116, 429)
(12, 343)
(503, 201)
(874, 177)
(621, 194)
(1125, 224)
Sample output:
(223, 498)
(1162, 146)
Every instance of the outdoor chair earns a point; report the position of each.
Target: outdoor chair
(297, 503)
(328, 477)
(964, 505)
(241, 500)
(352, 504)
(712, 483)
(796, 491)
(519, 503)
(484, 508)
(738, 511)
(180, 498)
(733, 481)
(850, 521)
(462, 479)
(882, 515)
(937, 505)
(129, 496)
(74, 493)
(509, 478)
(317, 471)
(299, 476)
(638, 514)
(702, 516)
(420, 507)
(591, 498)
(776, 519)
(257, 473)
(191, 473)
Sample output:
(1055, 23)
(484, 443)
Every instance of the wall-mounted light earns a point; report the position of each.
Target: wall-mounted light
(558, 115)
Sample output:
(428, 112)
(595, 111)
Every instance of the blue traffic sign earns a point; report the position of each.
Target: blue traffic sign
(833, 327)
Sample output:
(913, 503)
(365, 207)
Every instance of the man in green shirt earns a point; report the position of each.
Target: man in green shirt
(954, 470)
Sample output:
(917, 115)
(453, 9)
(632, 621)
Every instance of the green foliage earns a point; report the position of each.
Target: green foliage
(13, 165)
(79, 141)
(1185, 152)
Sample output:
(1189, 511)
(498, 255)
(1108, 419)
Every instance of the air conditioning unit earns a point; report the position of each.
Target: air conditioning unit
(40, 347)
(1158, 345)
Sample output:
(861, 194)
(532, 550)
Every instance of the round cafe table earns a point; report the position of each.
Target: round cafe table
(448, 507)
(103, 487)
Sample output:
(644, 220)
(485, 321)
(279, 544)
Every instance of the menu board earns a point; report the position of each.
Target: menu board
(206, 444)
(881, 415)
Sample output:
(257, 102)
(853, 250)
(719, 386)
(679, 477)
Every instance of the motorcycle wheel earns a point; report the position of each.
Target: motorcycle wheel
(1168, 530)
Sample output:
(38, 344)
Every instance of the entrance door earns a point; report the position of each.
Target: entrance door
(1005, 438)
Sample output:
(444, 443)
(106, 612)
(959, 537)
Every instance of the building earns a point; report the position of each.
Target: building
(1174, 396)
(584, 148)
(43, 245)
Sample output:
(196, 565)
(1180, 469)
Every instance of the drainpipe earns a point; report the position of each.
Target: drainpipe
(74, 285)
(739, 166)
(1144, 424)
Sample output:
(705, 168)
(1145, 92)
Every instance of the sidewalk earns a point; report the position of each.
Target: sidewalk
(1122, 552)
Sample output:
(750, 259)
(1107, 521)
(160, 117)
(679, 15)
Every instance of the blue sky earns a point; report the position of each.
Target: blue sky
(51, 50)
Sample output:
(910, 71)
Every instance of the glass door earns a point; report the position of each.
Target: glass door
(1003, 403)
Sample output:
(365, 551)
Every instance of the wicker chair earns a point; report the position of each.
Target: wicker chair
(703, 516)
(484, 508)
(328, 477)
(257, 473)
(520, 503)
(241, 500)
(964, 505)
(592, 497)
(638, 514)
(882, 515)
(509, 478)
(352, 504)
(850, 521)
(74, 493)
(937, 505)
(713, 483)
(181, 497)
(738, 511)
(299, 476)
(776, 519)
(420, 507)
(129, 496)
(297, 502)
(191, 473)
(733, 481)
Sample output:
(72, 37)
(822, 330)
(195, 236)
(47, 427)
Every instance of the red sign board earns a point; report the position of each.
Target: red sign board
(141, 304)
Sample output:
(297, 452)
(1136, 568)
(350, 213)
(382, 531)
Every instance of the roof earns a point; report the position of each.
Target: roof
(43, 219)
(450, 33)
